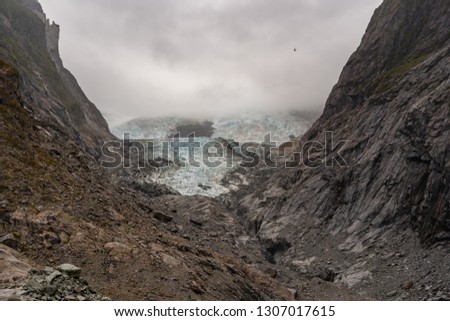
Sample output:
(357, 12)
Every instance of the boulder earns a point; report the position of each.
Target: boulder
(69, 269)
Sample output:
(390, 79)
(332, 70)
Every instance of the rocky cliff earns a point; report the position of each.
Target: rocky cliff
(30, 42)
(57, 205)
(375, 223)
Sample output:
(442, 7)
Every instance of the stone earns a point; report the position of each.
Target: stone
(294, 292)
(160, 216)
(69, 269)
(64, 237)
(195, 287)
(116, 216)
(53, 276)
(9, 240)
(391, 294)
(407, 285)
(34, 286)
(169, 260)
(196, 222)
(317, 280)
(271, 272)
(49, 270)
(50, 290)
(119, 251)
(352, 278)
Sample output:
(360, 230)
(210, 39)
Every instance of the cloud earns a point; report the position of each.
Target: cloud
(202, 57)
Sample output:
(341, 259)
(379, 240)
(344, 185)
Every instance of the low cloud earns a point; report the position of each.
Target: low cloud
(202, 57)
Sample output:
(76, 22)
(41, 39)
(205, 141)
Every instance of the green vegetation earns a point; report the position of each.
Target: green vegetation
(386, 80)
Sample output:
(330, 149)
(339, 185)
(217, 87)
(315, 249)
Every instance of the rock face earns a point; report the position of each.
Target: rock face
(14, 269)
(391, 105)
(57, 204)
(13, 273)
(30, 42)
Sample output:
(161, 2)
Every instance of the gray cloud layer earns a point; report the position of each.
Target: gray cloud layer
(200, 57)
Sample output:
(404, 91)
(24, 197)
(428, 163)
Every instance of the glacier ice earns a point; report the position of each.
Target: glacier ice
(203, 180)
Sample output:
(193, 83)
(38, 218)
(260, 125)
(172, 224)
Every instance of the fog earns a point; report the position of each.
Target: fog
(199, 58)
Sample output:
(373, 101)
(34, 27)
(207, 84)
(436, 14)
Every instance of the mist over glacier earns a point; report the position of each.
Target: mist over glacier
(207, 58)
(238, 129)
(242, 127)
(242, 65)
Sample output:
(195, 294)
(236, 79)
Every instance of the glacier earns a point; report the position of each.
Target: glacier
(204, 180)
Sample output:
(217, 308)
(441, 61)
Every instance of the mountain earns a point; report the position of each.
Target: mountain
(58, 205)
(30, 42)
(378, 216)
(367, 218)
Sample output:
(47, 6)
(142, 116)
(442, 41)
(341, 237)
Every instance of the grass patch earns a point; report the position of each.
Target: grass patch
(386, 80)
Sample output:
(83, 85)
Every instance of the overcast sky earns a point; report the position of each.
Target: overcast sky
(139, 58)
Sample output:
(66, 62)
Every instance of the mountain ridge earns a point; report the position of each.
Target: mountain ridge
(391, 106)
(30, 42)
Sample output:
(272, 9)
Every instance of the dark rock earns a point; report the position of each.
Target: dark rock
(196, 288)
(9, 240)
(34, 286)
(69, 269)
(160, 216)
(407, 285)
(50, 290)
(196, 222)
(271, 272)
(53, 276)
